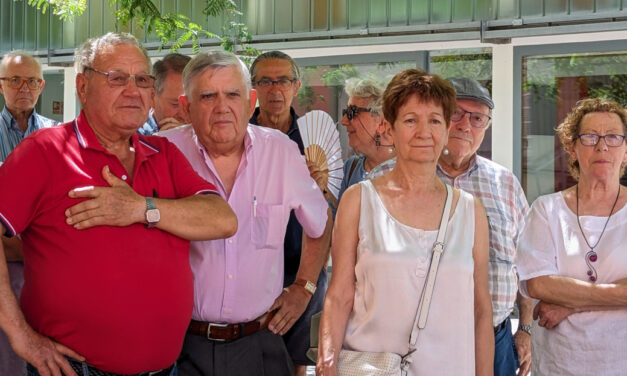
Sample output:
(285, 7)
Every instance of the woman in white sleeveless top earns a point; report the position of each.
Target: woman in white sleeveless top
(382, 242)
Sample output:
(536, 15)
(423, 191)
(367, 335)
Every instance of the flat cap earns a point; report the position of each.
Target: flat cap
(467, 88)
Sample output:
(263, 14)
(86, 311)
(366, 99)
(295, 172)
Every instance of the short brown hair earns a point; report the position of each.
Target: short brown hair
(568, 130)
(173, 62)
(429, 88)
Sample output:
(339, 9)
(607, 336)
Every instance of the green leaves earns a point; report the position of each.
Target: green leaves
(174, 30)
(64, 9)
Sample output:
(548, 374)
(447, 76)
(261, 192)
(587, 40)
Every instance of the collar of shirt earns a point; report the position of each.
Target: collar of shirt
(293, 133)
(87, 139)
(150, 127)
(33, 121)
(249, 139)
(472, 166)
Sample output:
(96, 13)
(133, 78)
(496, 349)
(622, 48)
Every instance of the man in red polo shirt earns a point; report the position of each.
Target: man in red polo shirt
(105, 216)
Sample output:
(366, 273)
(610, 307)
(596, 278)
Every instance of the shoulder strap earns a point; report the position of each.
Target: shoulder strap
(438, 249)
(353, 165)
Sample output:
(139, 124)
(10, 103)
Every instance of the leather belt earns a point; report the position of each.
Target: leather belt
(93, 371)
(229, 332)
(500, 326)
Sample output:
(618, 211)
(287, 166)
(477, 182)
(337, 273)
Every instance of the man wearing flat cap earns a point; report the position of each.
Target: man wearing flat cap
(502, 196)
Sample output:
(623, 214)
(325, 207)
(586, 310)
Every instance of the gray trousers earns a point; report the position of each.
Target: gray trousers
(259, 354)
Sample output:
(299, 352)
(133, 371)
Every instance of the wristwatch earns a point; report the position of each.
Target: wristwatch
(152, 213)
(525, 328)
(307, 285)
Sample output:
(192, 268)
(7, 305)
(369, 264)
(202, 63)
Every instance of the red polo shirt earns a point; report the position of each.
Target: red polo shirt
(120, 296)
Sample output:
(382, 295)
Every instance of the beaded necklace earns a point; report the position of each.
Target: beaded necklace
(592, 256)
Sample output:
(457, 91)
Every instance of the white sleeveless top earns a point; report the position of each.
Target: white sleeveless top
(391, 268)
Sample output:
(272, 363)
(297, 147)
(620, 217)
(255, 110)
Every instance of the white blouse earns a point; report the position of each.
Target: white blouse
(551, 243)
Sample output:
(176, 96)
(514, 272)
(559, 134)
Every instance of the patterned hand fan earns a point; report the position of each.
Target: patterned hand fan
(323, 152)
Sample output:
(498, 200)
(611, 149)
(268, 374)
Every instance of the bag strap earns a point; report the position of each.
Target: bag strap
(350, 173)
(437, 250)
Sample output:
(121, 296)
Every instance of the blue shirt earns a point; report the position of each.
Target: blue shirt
(150, 127)
(11, 134)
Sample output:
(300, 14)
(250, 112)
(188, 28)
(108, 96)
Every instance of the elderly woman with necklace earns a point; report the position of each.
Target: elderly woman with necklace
(571, 252)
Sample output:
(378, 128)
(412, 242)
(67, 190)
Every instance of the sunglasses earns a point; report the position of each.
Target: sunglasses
(351, 111)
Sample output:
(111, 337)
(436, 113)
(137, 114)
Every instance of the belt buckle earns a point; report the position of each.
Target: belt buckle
(217, 326)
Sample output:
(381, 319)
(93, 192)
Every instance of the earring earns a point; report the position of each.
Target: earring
(391, 150)
(377, 140)
(446, 151)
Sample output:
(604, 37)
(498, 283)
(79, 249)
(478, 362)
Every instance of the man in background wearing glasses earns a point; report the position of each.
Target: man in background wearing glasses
(276, 78)
(105, 217)
(21, 83)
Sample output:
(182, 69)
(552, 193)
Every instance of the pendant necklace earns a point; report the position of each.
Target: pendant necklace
(591, 256)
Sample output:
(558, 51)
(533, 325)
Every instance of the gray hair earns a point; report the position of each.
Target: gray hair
(366, 88)
(19, 53)
(173, 62)
(275, 55)
(85, 55)
(213, 60)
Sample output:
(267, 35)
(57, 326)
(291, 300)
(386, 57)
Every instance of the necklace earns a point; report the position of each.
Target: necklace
(591, 256)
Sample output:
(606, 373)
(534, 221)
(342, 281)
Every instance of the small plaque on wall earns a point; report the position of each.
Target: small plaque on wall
(57, 107)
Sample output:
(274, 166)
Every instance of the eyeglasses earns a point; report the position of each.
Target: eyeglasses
(476, 119)
(117, 78)
(351, 111)
(591, 139)
(16, 82)
(281, 83)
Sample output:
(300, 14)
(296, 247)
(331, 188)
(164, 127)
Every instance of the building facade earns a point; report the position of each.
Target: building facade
(538, 57)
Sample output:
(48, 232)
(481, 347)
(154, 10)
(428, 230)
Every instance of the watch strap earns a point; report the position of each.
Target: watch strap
(525, 328)
(150, 203)
(309, 286)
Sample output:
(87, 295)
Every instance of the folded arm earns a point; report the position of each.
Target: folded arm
(574, 293)
(198, 217)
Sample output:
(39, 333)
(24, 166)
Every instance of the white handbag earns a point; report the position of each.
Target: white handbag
(361, 363)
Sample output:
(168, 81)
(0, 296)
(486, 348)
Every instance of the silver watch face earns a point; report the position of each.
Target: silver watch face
(153, 216)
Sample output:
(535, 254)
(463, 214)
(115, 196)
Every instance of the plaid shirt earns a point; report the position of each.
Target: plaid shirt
(11, 134)
(505, 203)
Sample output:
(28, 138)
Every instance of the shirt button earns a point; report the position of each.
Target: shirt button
(124, 177)
(230, 276)
(226, 310)
(230, 241)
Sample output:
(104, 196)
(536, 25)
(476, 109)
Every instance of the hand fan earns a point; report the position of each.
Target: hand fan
(323, 152)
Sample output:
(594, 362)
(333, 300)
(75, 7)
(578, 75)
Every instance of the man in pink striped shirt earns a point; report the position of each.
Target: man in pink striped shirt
(240, 306)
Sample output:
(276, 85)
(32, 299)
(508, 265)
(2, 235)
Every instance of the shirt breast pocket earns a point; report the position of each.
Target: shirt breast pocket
(268, 229)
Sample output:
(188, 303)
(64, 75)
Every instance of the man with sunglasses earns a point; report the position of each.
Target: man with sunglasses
(105, 217)
(276, 79)
(502, 196)
(21, 83)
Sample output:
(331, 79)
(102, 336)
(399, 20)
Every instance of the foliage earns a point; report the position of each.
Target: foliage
(64, 9)
(600, 75)
(174, 30)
